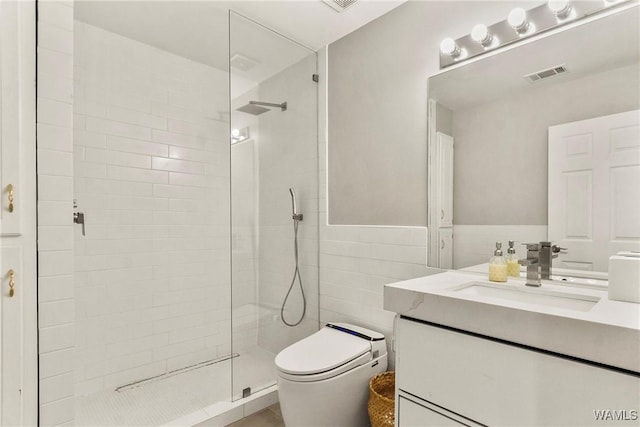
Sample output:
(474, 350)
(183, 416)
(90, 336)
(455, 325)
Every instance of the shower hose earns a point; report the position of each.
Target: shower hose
(296, 273)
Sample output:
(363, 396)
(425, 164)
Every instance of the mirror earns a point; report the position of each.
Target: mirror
(491, 184)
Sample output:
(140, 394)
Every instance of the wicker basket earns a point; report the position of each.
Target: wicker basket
(382, 399)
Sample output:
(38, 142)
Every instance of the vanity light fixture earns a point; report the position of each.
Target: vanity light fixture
(522, 24)
(449, 47)
(480, 34)
(519, 21)
(560, 8)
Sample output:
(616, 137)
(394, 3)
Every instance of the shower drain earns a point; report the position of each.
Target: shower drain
(176, 372)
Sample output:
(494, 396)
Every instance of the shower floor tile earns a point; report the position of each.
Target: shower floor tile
(163, 400)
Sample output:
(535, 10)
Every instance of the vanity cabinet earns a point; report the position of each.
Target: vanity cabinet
(446, 376)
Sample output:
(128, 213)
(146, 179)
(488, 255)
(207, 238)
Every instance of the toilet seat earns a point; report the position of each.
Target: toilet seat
(358, 361)
(325, 354)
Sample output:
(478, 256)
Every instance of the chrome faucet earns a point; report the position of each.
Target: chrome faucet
(547, 253)
(538, 261)
(532, 262)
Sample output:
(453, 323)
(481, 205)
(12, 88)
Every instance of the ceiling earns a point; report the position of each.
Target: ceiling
(198, 30)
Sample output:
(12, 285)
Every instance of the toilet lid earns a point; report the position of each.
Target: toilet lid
(324, 350)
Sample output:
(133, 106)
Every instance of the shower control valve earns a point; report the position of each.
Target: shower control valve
(78, 218)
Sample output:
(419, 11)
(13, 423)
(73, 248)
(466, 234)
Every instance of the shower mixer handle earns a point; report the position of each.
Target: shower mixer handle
(78, 218)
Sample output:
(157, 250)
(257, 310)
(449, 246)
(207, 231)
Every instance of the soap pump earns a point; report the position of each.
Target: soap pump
(513, 267)
(498, 265)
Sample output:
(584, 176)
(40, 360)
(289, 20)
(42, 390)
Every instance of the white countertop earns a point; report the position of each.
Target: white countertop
(607, 333)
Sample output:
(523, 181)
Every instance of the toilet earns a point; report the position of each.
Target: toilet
(323, 380)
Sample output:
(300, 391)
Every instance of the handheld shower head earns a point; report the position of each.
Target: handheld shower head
(294, 207)
(293, 201)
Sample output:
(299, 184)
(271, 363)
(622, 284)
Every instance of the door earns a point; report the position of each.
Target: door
(444, 220)
(594, 189)
(445, 180)
(18, 321)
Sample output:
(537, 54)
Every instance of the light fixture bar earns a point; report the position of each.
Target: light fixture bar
(524, 24)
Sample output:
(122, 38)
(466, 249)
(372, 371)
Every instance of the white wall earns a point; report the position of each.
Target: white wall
(151, 165)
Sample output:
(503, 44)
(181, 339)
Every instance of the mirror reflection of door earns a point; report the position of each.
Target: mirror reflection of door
(594, 188)
(444, 153)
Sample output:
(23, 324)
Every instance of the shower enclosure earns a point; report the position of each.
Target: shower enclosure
(187, 249)
(274, 148)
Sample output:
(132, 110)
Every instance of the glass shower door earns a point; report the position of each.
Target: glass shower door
(274, 156)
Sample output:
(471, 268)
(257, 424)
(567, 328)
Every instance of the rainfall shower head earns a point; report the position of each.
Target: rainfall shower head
(257, 107)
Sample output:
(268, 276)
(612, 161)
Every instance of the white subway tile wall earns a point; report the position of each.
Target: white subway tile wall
(55, 203)
(152, 274)
(355, 264)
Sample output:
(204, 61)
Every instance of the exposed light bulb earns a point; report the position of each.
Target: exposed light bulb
(560, 8)
(480, 33)
(449, 47)
(235, 133)
(518, 20)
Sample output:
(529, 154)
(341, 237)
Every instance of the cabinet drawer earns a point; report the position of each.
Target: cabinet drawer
(496, 383)
(414, 412)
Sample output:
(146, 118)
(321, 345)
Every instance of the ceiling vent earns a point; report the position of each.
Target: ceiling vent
(339, 5)
(242, 62)
(545, 74)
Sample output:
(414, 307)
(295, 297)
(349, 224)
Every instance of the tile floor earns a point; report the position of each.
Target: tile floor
(268, 417)
(167, 398)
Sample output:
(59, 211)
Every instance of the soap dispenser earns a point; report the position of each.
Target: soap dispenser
(498, 265)
(513, 267)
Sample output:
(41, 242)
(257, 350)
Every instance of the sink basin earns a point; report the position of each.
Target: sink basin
(537, 297)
